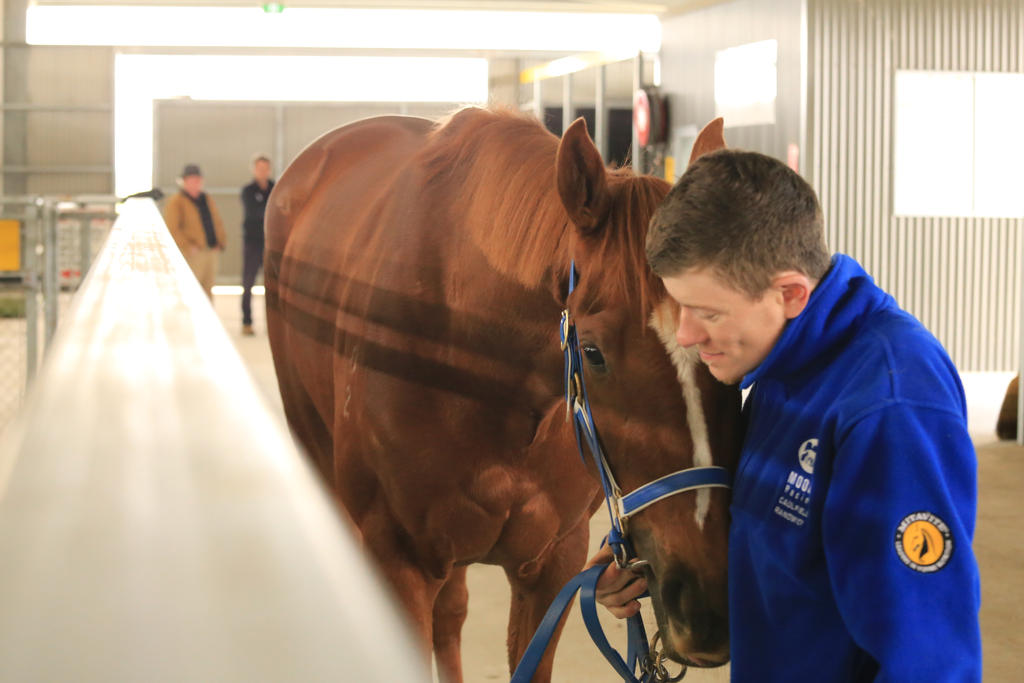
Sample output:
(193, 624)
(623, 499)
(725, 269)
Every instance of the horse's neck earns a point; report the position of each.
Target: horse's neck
(520, 228)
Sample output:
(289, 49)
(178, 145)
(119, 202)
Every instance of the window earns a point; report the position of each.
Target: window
(959, 144)
(746, 83)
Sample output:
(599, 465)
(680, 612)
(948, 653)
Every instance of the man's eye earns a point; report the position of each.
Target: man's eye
(709, 317)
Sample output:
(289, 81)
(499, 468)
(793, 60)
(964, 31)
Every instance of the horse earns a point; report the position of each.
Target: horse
(1006, 424)
(415, 277)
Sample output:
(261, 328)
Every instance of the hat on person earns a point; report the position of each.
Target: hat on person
(191, 169)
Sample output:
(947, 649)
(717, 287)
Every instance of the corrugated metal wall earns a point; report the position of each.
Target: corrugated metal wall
(960, 276)
(58, 116)
(689, 44)
(208, 133)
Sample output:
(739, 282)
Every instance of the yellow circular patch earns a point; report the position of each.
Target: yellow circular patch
(923, 542)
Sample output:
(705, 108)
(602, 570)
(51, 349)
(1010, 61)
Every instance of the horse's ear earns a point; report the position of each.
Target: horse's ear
(711, 138)
(582, 179)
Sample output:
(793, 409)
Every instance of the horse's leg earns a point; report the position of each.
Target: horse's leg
(299, 407)
(416, 590)
(449, 615)
(533, 590)
(1006, 426)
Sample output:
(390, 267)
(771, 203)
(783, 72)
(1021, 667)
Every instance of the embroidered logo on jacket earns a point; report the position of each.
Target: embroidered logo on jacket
(923, 542)
(794, 503)
(806, 455)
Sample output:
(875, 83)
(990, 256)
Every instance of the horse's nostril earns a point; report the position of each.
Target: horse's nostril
(690, 609)
(712, 632)
(675, 598)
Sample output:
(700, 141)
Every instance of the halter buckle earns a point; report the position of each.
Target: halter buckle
(622, 560)
(564, 330)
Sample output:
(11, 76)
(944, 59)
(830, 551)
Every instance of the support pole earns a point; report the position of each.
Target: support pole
(280, 163)
(30, 282)
(538, 100)
(84, 245)
(636, 155)
(601, 112)
(50, 288)
(15, 81)
(566, 102)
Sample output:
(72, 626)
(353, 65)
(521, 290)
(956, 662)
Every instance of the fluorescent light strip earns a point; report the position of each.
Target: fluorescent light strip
(325, 79)
(123, 25)
(573, 64)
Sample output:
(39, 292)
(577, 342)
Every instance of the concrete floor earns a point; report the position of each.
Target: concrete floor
(998, 544)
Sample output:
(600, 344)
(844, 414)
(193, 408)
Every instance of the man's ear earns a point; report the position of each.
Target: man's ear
(795, 288)
(582, 178)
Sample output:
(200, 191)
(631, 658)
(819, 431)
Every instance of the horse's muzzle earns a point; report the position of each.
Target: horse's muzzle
(697, 630)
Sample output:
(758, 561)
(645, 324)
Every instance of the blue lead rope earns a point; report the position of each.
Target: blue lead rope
(585, 583)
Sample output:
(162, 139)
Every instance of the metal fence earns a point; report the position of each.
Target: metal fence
(46, 246)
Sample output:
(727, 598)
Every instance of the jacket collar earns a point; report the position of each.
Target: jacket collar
(834, 313)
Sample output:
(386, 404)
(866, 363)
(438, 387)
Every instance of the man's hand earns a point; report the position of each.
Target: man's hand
(617, 589)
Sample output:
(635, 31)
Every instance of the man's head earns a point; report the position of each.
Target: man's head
(739, 244)
(260, 169)
(192, 180)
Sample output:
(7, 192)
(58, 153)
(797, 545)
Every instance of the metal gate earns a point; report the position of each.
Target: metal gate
(46, 247)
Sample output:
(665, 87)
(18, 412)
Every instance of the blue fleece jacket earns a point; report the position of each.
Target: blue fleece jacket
(854, 501)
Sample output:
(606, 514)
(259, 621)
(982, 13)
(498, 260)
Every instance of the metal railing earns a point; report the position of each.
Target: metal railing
(156, 521)
(57, 239)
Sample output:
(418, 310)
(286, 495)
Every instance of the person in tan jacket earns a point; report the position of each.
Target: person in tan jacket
(196, 226)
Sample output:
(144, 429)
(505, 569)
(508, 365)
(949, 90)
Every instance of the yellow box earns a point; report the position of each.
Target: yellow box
(10, 244)
(670, 169)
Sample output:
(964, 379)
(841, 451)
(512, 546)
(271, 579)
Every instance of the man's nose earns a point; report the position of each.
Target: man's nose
(690, 331)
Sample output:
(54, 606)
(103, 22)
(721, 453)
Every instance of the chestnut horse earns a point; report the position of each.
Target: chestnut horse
(415, 278)
(1006, 425)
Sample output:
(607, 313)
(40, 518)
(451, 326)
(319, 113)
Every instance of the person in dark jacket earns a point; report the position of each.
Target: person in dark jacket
(855, 496)
(254, 204)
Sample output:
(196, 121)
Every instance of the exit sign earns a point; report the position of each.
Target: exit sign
(273, 7)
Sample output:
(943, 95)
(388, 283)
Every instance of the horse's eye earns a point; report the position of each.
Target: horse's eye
(594, 356)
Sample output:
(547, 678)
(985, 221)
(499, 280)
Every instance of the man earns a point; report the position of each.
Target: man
(196, 226)
(254, 203)
(855, 495)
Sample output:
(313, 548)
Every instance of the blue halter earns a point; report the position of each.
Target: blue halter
(620, 507)
(640, 666)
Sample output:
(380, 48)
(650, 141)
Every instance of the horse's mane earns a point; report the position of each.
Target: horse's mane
(617, 260)
(498, 167)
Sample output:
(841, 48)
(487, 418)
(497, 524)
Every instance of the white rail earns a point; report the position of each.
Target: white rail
(156, 522)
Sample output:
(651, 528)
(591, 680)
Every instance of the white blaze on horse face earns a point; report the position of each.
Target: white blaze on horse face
(685, 361)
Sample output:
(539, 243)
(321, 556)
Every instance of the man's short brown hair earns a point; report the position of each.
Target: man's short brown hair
(746, 216)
